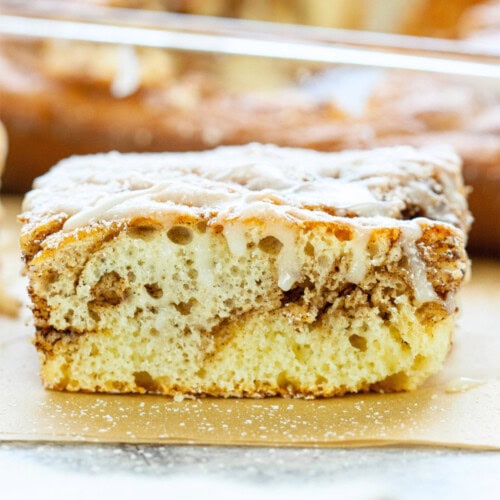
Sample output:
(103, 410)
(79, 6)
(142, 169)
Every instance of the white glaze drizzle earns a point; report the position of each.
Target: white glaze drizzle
(203, 261)
(93, 213)
(422, 288)
(235, 237)
(450, 303)
(289, 267)
(360, 259)
(288, 263)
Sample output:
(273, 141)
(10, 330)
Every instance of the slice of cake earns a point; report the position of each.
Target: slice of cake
(246, 271)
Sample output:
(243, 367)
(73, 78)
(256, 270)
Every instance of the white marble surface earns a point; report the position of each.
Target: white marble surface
(85, 471)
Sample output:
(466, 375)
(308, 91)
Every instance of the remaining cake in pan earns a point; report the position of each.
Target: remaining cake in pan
(246, 271)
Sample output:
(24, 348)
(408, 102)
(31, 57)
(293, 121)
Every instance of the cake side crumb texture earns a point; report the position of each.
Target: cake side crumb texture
(246, 271)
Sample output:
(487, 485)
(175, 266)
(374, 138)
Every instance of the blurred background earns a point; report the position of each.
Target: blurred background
(415, 17)
(60, 97)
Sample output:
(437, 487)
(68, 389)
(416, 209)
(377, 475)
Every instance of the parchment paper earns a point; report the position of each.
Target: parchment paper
(458, 408)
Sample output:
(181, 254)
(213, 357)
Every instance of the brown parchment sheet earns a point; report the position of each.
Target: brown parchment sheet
(460, 407)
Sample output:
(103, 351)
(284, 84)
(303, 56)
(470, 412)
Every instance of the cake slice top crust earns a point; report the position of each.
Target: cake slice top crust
(253, 181)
